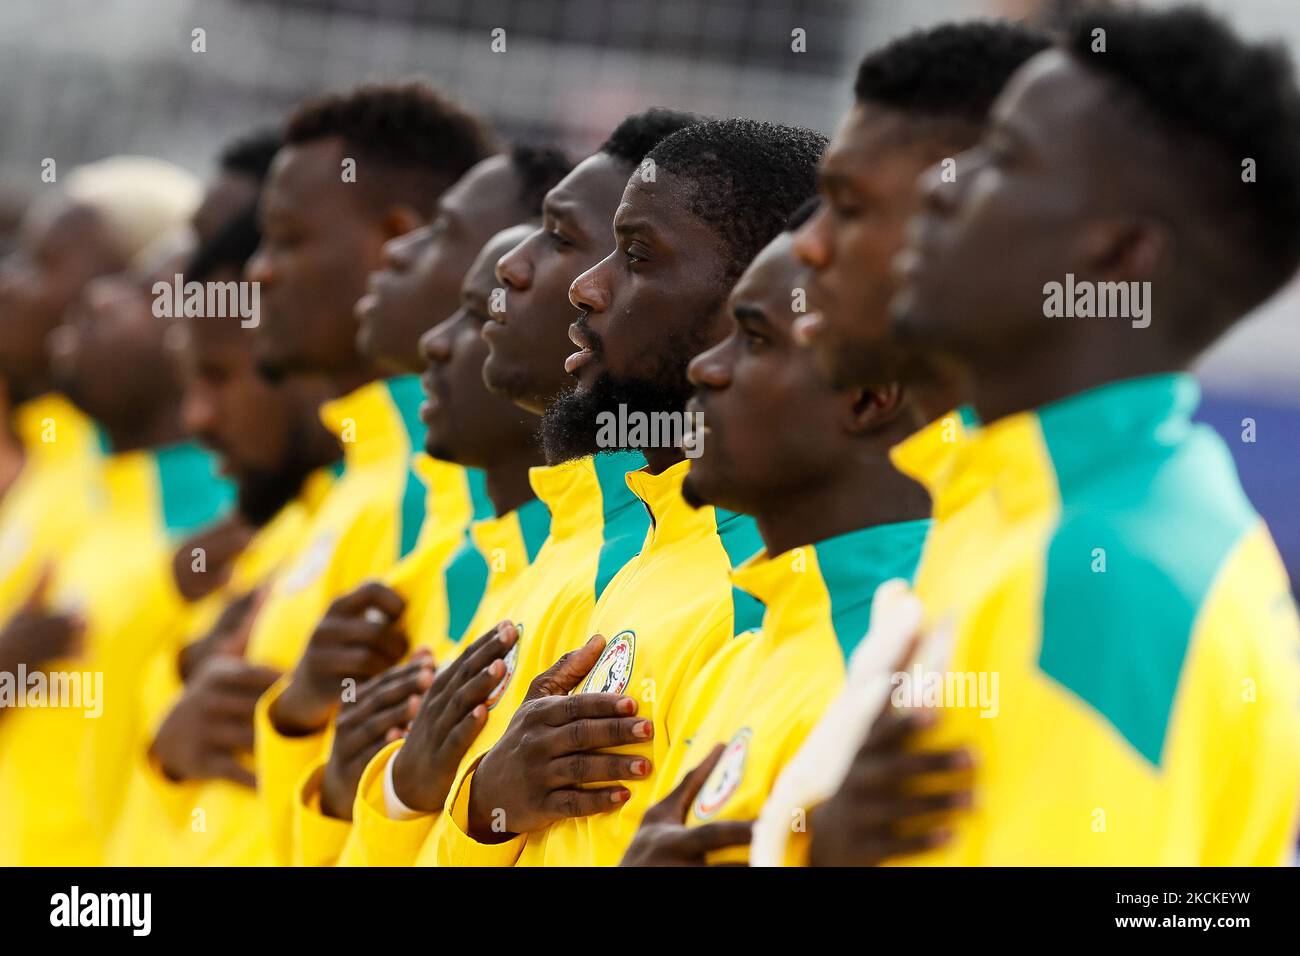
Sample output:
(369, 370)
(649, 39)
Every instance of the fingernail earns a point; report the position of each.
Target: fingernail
(644, 729)
(508, 633)
(497, 668)
(595, 638)
(480, 712)
(627, 706)
(619, 796)
(640, 768)
(963, 760)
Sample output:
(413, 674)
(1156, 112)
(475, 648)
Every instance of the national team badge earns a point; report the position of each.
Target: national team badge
(613, 671)
(726, 776)
(511, 657)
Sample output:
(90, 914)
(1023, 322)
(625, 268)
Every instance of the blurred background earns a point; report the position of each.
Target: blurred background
(84, 79)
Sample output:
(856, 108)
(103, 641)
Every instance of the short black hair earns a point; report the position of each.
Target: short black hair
(538, 168)
(229, 248)
(642, 132)
(250, 154)
(425, 140)
(950, 73)
(744, 178)
(1216, 101)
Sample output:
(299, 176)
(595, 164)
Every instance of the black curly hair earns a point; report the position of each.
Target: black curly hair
(538, 168)
(743, 178)
(250, 154)
(948, 75)
(641, 132)
(422, 139)
(1212, 101)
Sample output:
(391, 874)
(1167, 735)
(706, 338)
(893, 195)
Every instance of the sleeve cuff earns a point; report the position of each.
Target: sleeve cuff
(281, 763)
(318, 839)
(377, 840)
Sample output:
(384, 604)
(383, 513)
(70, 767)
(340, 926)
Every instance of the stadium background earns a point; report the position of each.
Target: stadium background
(83, 79)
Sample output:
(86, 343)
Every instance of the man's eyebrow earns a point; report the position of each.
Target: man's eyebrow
(633, 226)
(749, 313)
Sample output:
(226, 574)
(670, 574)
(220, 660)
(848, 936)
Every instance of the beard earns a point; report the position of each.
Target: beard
(263, 492)
(570, 425)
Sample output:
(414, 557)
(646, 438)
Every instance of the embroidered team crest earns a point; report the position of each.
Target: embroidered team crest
(613, 671)
(313, 561)
(511, 657)
(726, 776)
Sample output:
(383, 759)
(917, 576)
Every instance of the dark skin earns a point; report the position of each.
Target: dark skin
(866, 179)
(61, 247)
(784, 446)
(781, 444)
(420, 281)
(895, 801)
(253, 426)
(464, 423)
(35, 636)
(113, 360)
(232, 410)
(249, 423)
(665, 278)
(1045, 194)
(227, 195)
(469, 426)
(663, 839)
(321, 238)
(668, 265)
(528, 343)
(542, 769)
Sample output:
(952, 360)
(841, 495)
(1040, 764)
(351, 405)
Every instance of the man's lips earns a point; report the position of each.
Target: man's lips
(584, 356)
(433, 396)
(695, 418)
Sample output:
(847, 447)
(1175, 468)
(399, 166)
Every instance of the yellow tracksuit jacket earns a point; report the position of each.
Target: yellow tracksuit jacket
(765, 690)
(163, 823)
(473, 581)
(665, 615)
(63, 770)
(371, 517)
(596, 526)
(1128, 618)
(51, 500)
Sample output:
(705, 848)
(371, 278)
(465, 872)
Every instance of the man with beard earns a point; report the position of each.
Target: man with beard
(433, 593)
(1092, 546)
(704, 202)
(355, 170)
(200, 691)
(596, 523)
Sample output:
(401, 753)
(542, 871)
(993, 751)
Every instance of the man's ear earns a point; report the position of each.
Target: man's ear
(874, 408)
(401, 219)
(1128, 249)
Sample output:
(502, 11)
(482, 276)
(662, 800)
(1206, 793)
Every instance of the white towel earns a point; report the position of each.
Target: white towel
(818, 769)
